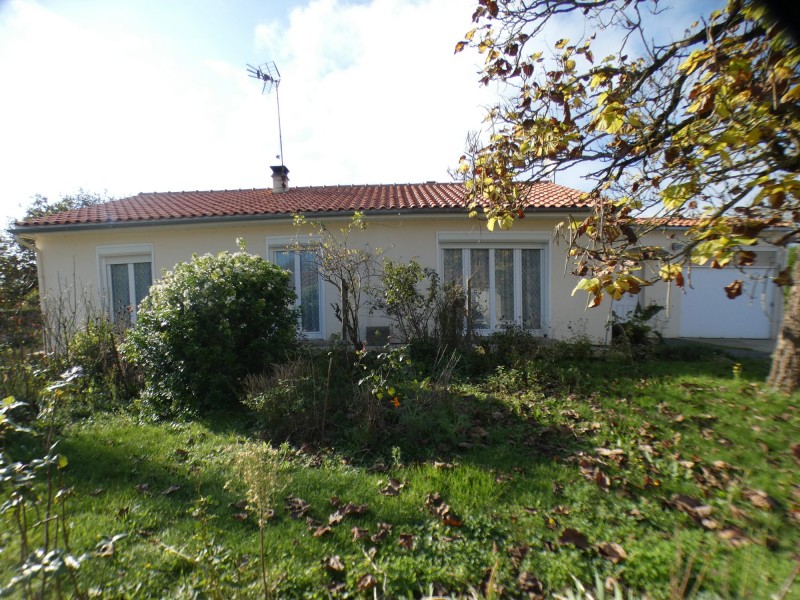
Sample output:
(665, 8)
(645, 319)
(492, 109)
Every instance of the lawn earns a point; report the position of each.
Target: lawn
(668, 477)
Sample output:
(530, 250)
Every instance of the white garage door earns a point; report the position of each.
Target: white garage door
(707, 312)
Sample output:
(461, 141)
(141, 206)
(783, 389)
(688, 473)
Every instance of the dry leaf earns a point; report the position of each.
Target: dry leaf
(359, 533)
(760, 499)
(734, 535)
(392, 487)
(347, 509)
(531, 585)
(96, 492)
(367, 582)
(297, 507)
(573, 537)
(334, 563)
(143, 488)
(170, 490)
(384, 529)
(444, 466)
(406, 540)
(612, 551)
(322, 530)
(240, 516)
(240, 505)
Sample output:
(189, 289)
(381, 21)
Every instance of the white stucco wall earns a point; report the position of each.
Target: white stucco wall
(69, 260)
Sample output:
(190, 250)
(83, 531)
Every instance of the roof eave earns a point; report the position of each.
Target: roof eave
(65, 227)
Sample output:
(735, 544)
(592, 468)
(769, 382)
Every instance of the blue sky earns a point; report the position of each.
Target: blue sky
(125, 96)
(144, 95)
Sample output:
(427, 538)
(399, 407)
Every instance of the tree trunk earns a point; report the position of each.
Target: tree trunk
(785, 372)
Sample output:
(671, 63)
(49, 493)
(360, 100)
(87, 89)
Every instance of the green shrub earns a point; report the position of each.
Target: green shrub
(286, 400)
(108, 380)
(207, 324)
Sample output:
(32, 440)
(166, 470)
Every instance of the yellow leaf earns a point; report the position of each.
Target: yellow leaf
(490, 223)
(62, 461)
(459, 47)
(569, 65)
(470, 34)
(561, 43)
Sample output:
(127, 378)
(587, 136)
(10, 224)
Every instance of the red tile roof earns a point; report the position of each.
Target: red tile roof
(167, 206)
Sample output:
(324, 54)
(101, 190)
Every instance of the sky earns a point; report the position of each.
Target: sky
(122, 97)
(125, 96)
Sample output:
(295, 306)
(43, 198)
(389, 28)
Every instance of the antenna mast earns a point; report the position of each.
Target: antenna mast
(269, 74)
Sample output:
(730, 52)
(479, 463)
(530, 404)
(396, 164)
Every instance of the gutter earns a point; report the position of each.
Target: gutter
(31, 229)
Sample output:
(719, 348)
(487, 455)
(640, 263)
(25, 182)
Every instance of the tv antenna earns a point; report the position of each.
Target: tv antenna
(269, 74)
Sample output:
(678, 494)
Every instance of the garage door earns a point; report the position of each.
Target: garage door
(707, 312)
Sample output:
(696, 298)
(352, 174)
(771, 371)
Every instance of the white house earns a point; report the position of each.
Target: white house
(111, 253)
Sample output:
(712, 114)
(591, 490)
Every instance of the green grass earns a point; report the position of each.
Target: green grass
(534, 471)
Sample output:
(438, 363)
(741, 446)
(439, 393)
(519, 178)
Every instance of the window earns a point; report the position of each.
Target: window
(503, 279)
(126, 274)
(306, 283)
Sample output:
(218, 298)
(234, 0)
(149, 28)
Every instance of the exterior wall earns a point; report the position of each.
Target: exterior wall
(674, 299)
(69, 260)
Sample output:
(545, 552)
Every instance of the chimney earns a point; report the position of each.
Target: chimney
(280, 179)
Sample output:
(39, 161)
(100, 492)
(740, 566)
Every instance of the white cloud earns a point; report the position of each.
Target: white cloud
(369, 93)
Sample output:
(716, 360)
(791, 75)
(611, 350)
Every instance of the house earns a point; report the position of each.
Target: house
(108, 255)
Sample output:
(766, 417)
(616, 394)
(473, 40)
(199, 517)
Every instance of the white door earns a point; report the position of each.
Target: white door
(707, 312)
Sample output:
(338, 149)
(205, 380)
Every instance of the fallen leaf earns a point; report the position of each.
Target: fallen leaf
(143, 488)
(182, 453)
(123, 512)
(612, 551)
(602, 480)
(760, 499)
(573, 537)
(503, 478)
(96, 492)
(321, 531)
(170, 490)
(406, 540)
(796, 452)
(333, 563)
(367, 582)
(437, 506)
(560, 510)
(336, 587)
(297, 507)
(734, 535)
(347, 509)
(615, 454)
(444, 466)
(518, 553)
(392, 487)
(531, 585)
(240, 516)
(359, 533)
(240, 505)
(384, 529)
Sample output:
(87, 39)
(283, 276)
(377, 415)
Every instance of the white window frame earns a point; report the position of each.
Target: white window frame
(472, 240)
(119, 255)
(286, 244)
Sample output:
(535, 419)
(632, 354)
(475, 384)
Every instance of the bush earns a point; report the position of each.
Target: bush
(108, 380)
(206, 325)
(286, 400)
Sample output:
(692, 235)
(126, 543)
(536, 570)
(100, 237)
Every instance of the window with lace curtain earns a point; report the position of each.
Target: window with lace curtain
(126, 274)
(504, 280)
